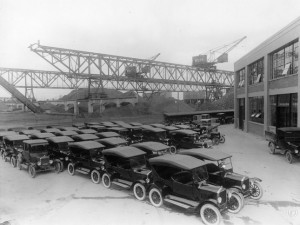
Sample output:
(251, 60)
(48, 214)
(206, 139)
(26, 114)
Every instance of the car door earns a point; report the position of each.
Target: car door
(123, 168)
(183, 184)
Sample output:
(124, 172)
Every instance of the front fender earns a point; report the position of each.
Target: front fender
(253, 179)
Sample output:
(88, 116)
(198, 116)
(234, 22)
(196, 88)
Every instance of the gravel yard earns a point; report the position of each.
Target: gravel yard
(63, 199)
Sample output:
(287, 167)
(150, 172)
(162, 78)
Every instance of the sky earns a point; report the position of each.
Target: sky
(178, 29)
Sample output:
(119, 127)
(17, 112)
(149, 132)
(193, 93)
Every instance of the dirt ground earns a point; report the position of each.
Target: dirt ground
(63, 199)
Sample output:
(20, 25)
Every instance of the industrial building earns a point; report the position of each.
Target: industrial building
(267, 86)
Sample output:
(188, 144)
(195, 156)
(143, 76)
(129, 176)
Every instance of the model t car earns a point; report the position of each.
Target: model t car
(59, 148)
(181, 180)
(34, 157)
(220, 171)
(86, 157)
(2, 135)
(152, 148)
(155, 134)
(11, 145)
(286, 141)
(126, 167)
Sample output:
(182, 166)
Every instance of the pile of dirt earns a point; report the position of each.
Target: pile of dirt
(227, 102)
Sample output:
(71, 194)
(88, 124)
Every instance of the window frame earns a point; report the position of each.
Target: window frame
(256, 70)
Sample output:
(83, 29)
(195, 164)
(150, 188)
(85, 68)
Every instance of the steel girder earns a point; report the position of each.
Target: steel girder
(109, 70)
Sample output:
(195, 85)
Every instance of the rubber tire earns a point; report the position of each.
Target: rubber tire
(106, 180)
(155, 191)
(57, 167)
(93, 173)
(257, 186)
(173, 150)
(237, 201)
(222, 139)
(13, 161)
(140, 186)
(71, 169)
(215, 141)
(289, 157)
(32, 171)
(215, 210)
(19, 164)
(272, 148)
(61, 165)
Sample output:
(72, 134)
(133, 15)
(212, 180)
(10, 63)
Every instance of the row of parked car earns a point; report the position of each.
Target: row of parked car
(200, 179)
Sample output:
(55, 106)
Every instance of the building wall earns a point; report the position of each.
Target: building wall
(282, 85)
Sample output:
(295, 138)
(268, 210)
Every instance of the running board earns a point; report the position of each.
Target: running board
(83, 170)
(121, 184)
(184, 201)
(182, 205)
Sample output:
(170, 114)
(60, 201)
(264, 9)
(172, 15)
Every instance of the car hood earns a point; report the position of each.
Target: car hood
(210, 187)
(234, 176)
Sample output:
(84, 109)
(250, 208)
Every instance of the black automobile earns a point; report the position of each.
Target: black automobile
(155, 134)
(122, 131)
(86, 157)
(107, 134)
(34, 157)
(113, 142)
(220, 172)
(134, 133)
(2, 135)
(152, 148)
(59, 148)
(69, 133)
(11, 145)
(41, 135)
(215, 136)
(187, 139)
(126, 167)
(285, 141)
(85, 137)
(181, 180)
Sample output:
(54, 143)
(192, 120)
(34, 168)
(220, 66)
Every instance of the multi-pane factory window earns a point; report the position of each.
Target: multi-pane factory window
(285, 61)
(256, 109)
(256, 72)
(241, 77)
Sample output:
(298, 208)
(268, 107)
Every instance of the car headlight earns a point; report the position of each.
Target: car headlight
(219, 199)
(51, 161)
(147, 180)
(39, 163)
(296, 151)
(244, 186)
(102, 168)
(67, 158)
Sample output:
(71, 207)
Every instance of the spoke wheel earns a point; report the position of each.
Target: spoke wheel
(256, 190)
(173, 150)
(210, 214)
(57, 167)
(139, 191)
(95, 176)
(106, 180)
(155, 197)
(272, 148)
(222, 139)
(32, 171)
(71, 169)
(235, 203)
(289, 157)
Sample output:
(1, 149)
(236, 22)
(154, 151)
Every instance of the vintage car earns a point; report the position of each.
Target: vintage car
(122, 131)
(119, 123)
(59, 148)
(41, 135)
(49, 130)
(215, 136)
(113, 142)
(155, 134)
(134, 133)
(286, 141)
(126, 167)
(86, 157)
(65, 133)
(86, 131)
(220, 172)
(152, 148)
(11, 145)
(181, 180)
(107, 134)
(188, 139)
(29, 132)
(34, 157)
(3, 134)
(84, 137)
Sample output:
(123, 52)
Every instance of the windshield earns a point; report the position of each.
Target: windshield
(137, 132)
(200, 174)
(225, 164)
(96, 153)
(18, 143)
(161, 135)
(138, 162)
(40, 149)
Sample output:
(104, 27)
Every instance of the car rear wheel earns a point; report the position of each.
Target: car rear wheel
(95, 176)
(256, 190)
(106, 180)
(139, 191)
(173, 150)
(289, 157)
(57, 167)
(235, 203)
(222, 139)
(71, 169)
(32, 171)
(13, 161)
(210, 214)
(272, 148)
(155, 197)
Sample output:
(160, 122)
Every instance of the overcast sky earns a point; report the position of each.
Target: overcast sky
(178, 29)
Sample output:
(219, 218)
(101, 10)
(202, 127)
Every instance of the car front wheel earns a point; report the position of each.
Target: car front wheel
(272, 148)
(173, 150)
(289, 157)
(222, 139)
(155, 197)
(106, 180)
(95, 176)
(32, 171)
(235, 203)
(256, 190)
(57, 167)
(139, 191)
(71, 169)
(210, 214)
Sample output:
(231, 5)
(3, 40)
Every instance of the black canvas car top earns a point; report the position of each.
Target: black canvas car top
(180, 161)
(151, 145)
(135, 124)
(87, 131)
(60, 139)
(182, 126)
(108, 134)
(113, 141)
(7, 133)
(124, 152)
(35, 141)
(27, 132)
(86, 136)
(87, 145)
(67, 132)
(203, 153)
(68, 128)
(43, 135)
(170, 128)
(187, 132)
(158, 125)
(17, 137)
(154, 129)
(50, 130)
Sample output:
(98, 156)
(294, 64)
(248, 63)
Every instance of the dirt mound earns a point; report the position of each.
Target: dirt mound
(227, 102)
